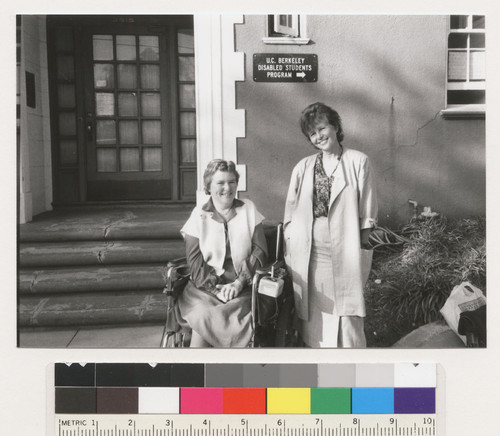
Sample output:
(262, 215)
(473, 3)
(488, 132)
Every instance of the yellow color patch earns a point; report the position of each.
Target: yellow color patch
(288, 400)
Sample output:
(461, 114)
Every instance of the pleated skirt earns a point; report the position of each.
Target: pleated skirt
(324, 329)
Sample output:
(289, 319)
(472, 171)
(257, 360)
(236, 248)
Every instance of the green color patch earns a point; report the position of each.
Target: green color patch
(330, 400)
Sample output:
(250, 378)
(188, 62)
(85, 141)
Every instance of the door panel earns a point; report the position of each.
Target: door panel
(123, 107)
(130, 152)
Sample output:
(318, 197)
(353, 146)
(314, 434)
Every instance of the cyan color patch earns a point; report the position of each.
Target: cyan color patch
(372, 400)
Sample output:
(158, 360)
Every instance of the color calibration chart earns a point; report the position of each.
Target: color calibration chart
(138, 399)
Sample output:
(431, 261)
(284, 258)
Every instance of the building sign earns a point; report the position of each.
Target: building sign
(285, 67)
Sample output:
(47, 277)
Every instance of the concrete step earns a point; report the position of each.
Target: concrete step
(97, 265)
(133, 335)
(91, 279)
(44, 254)
(83, 309)
(107, 223)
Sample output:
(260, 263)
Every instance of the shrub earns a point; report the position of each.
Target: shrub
(414, 271)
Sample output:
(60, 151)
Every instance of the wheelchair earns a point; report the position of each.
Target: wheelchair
(272, 318)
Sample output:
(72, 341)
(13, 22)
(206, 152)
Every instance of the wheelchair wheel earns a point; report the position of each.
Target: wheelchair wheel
(285, 333)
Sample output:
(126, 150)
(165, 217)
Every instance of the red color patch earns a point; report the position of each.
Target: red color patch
(244, 400)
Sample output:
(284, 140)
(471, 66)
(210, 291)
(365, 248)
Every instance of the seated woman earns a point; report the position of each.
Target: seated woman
(225, 243)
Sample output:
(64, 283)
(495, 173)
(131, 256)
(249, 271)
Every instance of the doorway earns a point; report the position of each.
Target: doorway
(123, 108)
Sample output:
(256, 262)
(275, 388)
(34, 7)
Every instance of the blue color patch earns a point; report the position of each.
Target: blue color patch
(372, 400)
(415, 400)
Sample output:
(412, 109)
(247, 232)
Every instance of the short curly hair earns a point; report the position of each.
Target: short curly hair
(315, 113)
(218, 165)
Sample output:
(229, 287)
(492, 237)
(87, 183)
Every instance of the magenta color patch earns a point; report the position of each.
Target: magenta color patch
(201, 400)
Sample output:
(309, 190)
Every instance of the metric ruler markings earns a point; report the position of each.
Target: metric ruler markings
(409, 431)
(287, 425)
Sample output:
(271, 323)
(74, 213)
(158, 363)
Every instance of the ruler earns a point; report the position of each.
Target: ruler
(245, 425)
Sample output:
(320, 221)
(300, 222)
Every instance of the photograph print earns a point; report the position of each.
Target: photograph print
(247, 181)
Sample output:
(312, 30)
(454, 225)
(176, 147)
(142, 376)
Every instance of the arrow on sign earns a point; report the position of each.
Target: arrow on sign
(301, 74)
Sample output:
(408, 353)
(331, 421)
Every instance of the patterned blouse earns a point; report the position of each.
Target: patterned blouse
(322, 188)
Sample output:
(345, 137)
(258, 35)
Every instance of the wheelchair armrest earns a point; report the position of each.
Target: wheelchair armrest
(177, 271)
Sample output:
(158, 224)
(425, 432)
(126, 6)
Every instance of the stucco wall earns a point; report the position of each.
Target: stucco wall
(35, 149)
(386, 75)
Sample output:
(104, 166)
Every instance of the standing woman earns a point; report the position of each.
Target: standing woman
(330, 210)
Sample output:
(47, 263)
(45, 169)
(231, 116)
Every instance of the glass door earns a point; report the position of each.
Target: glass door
(129, 150)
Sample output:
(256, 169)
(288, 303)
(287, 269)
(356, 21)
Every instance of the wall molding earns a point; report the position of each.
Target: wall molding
(217, 68)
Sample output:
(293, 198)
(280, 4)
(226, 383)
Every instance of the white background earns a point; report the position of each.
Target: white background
(471, 377)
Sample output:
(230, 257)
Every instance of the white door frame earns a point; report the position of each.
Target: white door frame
(217, 68)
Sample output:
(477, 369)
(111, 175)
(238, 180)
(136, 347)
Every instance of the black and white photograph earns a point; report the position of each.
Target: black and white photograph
(251, 184)
(282, 180)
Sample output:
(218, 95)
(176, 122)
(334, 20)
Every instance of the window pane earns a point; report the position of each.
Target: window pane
(150, 76)
(457, 65)
(105, 132)
(188, 150)
(457, 40)
(66, 96)
(149, 49)
(127, 76)
(186, 69)
(478, 22)
(477, 40)
(106, 160)
(67, 152)
(188, 183)
(65, 68)
(103, 47)
(150, 105)
(129, 132)
(188, 123)
(104, 76)
(127, 104)
(285, 20)
(151, 132)
(466, 97)
(129, 159)
(187, 96)
(64, 39)
(67, 124)
(185, 41)
(151, 159)
(477, 65)
(104, 104)
(125, 47)
(458, 21)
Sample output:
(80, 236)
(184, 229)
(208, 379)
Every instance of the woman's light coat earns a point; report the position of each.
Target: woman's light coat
(353, 206)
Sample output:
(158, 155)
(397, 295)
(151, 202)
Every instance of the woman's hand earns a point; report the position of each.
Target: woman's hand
(365, 242)
(230, 290)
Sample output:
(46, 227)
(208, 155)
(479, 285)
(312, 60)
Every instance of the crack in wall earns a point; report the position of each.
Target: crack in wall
(423, 126)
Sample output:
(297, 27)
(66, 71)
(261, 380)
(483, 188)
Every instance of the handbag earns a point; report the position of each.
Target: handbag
(463, 298)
